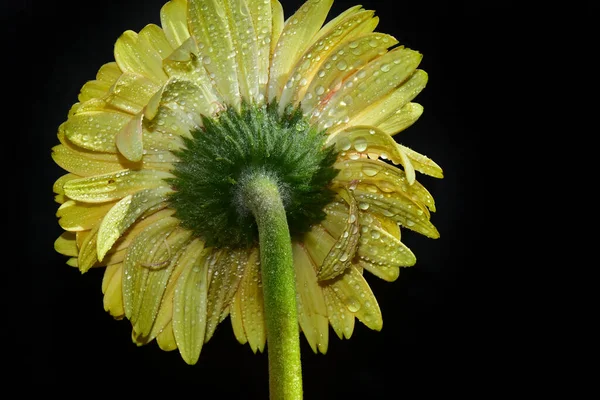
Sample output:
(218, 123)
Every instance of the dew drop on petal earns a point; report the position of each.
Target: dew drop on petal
(360, 144)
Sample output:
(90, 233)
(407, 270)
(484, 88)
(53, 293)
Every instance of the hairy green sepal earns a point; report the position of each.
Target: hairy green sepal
(234, 147)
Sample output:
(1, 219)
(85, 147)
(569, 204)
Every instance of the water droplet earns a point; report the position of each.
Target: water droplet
(375, 234)
(370, 171)
(206, 60)
(319, 90)
(344, 144)
(385, 67)
(363, 206)
(360, 144)
(342, 65)
(352, 304)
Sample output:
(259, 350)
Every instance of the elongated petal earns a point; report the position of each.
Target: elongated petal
(96, 130)
(235, 314)
(396, 207)
(88, 257)
(295, 38)
(129, 140)
(380, 111)
(138, 56)
(190, 304)
(173, 19)
(367, 86)
(114, 186)
(379, 247)
(355, 293)
(307, 66)
(109, 273)
(75, 216)
(359, 140)
(156, 38)
(337, 67)
(113, 294)
(340, 318)
(252, 304)
(401, 119)
(187, 257)
(422, 163)
(166, 338)
(262, 20)
(107, 75)
(277, 26)
(124, 213)
(208, 23)
(312, 312)
(140, 225)
(66, 244)
(225, 272)
(131, 92)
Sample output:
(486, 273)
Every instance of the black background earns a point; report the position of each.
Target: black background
(441, 327)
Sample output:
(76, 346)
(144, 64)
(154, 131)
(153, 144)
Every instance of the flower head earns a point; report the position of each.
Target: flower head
(159, 147)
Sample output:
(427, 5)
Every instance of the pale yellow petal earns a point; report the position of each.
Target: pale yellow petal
(338, 67)
(131, 92)
(340, 318)
(190, 255)
(334, 22)
(262, 20)
(66, 244)
(396, 207)
(383, 109)
(401, 119)
(139, 57)
(109, 273)
(75, 216)
(312, 312)
(129, 140)
(95, 130)
(295, 38)
(173, 19)
(107, 75)
(156, 38)
(88, 257)
(113, 296)
(277, 25)
(225, 271)
(235, 314)
(166, 338)
(119, 217)
(355, 293)
(367, 140)
(207, 20)
(114, 186)
(190, 304)
(306, 68)
(422, 163)
(125, 241)
(318, 243)
(365, 87)
(252, 304)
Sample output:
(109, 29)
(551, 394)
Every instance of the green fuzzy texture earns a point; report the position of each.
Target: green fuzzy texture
(233, 148)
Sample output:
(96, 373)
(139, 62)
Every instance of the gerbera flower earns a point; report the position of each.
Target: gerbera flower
(165, 148)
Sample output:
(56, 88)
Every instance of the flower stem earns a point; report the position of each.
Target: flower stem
(264, 199)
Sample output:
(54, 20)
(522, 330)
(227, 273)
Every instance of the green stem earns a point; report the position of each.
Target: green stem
(263, 197)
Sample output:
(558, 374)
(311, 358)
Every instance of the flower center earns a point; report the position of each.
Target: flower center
(234, 147)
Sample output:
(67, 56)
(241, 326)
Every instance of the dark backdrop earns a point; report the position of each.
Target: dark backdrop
(440, 326)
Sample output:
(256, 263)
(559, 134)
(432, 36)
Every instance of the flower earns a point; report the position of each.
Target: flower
(159, 142)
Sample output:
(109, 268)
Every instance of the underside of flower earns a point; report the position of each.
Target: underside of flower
(166, 144)
(234, 147)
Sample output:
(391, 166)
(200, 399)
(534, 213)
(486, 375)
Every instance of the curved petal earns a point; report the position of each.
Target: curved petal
(401, 119)
(75, 216)
(107, 75)
(113, 293)
(138, 56)
(252, 304)
(340, 318)
(173, 19)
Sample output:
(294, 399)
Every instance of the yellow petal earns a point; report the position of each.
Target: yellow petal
(188, 256)
(338, 67)
(107, 75)
(341, 254)
(358, 140)
(235, 314)
(295, 38)
(386, 178)
(190, 311)
(306, 68)
(245, 47)
(208, 23)
(340, 318)
(383, 109)
(95, 130)
(114, 186)
(129, 139)
(378, 247)
(367, 86)
(312, 312)
(262, 20)
(131, 92)
(252, 304)
(225, 271)
(422, 163)
(75, 216)
(156, 38)
(401, 119)
(88, 257)
(138, 56)
(277, 25)
(109, 273)
(125, 241)
(113, 296)
(166, 338)
(173, 19)
(66, 244)
(318, 243)
(124, 213)
(396, 207)
(150, 293)
(355, 293)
